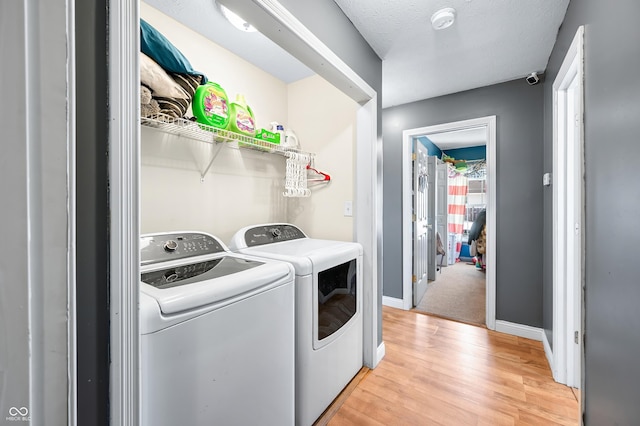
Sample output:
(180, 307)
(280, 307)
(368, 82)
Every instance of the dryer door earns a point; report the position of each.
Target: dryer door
(336, 295)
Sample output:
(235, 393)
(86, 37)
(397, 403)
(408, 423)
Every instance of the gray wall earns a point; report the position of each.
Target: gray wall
(612, 109)
(92, 225)
(518, 108)
(33, 188)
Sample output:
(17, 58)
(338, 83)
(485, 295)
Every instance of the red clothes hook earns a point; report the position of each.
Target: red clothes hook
(325, 177)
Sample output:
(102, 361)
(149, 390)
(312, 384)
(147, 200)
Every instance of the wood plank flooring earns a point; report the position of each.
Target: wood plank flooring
(441, 372)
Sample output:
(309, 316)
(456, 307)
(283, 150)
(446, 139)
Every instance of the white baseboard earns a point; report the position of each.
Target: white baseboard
(548, 352)
(380, 353)
(526, 331)
(393, 302)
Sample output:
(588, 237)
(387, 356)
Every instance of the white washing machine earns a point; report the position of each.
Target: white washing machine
(328, 305)
(217, 334)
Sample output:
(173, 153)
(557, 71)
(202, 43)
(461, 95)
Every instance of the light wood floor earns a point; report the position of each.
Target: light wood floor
(440, 372)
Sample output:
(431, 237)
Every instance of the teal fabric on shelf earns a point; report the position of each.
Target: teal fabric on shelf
(156, 46)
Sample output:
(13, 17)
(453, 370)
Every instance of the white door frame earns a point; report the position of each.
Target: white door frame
(568, 215)
(124, 181)
(407, 137)
(271, 17)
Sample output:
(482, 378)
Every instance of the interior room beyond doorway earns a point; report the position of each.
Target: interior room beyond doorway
(458, 291)
(441, 135)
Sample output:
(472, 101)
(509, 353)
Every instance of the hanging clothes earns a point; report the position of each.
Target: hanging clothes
(457, 204)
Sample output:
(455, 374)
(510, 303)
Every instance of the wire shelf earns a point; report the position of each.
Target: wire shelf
(209, 134)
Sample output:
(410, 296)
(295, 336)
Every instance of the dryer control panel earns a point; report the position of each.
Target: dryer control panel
(155, 248)
(272, 233)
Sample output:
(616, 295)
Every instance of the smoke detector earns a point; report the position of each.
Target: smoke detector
(443, 18)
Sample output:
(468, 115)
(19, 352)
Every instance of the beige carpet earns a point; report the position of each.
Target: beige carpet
(457, 293)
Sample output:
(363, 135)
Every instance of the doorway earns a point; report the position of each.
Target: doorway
(124, 125)
(488, 126)
(458, 186)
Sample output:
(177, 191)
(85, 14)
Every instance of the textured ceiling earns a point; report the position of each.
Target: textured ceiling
(491, 41)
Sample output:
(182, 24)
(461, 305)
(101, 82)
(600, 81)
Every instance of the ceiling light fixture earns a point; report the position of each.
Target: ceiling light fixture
(443, 18)
(236, 20)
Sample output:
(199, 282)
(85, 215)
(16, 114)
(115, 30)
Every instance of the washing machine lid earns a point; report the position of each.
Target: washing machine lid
(184, 274)
(186, 270)
(179, 287)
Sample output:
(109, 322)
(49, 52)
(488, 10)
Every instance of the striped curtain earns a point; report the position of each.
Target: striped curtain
(458, 189)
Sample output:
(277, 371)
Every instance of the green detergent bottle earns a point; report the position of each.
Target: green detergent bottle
(241, 118)
(210, 105)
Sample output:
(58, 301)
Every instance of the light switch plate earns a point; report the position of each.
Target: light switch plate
(348, 208)
(546, 179)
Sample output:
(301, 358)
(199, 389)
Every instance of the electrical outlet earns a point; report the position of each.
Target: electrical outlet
(348, 208)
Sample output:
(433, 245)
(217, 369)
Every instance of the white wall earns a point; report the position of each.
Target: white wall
(324, 120)
(265, 94)
(244, 186)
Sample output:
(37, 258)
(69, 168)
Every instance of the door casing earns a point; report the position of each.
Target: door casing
(568, 216)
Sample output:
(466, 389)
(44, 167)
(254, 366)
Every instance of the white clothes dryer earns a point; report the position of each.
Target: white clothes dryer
(217, 334)
(328, 293)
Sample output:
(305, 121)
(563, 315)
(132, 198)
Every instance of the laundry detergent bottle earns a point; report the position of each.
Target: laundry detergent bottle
(241, 119)
(211, 105)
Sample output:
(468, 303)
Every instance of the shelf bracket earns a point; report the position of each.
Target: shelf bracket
(213, 158)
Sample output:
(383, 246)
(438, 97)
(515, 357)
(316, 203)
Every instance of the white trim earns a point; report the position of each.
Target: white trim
(72, 329)
(367, 223)
(547, 350)
(568, 267)
(278, 11)
(380, 353)
(124, 155)
(407, 223)
(270, 17)
(393, 302)
(407, 136)
(492, 242)
(520, 330)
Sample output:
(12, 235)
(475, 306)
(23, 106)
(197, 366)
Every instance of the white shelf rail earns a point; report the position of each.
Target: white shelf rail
(209, 134)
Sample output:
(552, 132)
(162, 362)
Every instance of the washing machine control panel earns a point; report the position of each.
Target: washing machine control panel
(273, 233)
(163, 247)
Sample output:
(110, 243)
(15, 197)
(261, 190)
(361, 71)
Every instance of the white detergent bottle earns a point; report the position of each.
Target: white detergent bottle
(279, 130)
(291, 140)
